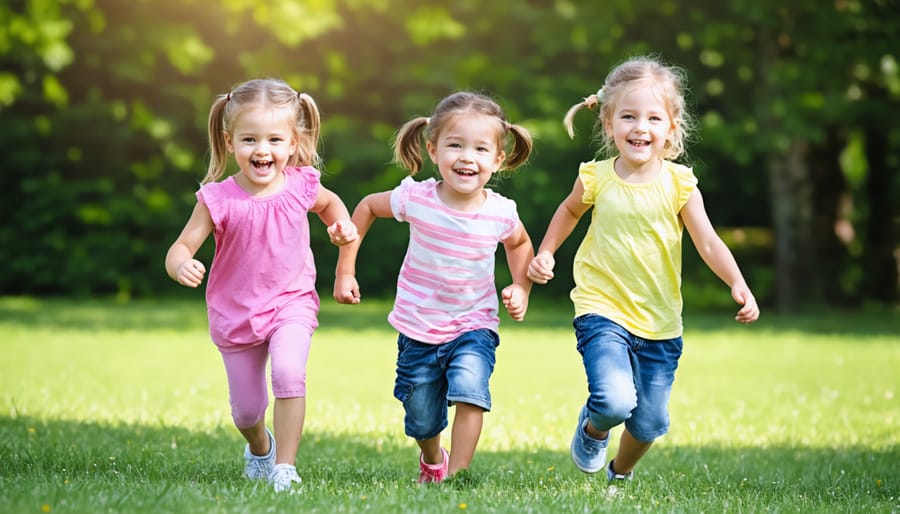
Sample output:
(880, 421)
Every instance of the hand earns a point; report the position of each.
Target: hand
(540, 269)
(346, 289)
(342, 232)
(190, 273)
(742, 295)
(515, 299)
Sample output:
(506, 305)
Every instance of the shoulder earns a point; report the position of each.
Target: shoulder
(410, 191)
(213, 192)
(497, 202)
(679, 170)
(593, 175)
(304, 173)
(304, 181)
(684, 180)
(411, 185)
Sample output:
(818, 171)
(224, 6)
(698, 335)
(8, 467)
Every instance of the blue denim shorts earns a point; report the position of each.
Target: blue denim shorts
(629, 378)
(431, 377)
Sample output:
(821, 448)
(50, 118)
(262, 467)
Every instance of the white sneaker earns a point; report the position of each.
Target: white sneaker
(259, 467)
(283, 477)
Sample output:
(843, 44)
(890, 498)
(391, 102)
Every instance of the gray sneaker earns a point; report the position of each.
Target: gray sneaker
(613, 477)
(588, 454)
(283, 478)
(259, 467)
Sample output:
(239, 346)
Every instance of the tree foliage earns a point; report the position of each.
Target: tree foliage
(105, 102)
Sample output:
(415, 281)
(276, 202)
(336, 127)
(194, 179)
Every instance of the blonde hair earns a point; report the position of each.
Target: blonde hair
(270, 92)
(669, 79)
(408, 142)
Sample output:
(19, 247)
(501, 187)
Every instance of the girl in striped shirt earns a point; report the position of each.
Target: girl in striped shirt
(446, 305)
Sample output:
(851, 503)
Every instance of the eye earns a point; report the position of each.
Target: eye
(483, 149)
(627, 116)
(454, 145)
(248, 140)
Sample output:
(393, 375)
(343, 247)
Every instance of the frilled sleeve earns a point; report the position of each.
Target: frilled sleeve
(587, 172)
(401, 194)
(308, 189)
(685, 183)
(211, 196)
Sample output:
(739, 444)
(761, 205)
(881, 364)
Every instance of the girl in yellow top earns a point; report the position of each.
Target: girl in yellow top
(627, 271)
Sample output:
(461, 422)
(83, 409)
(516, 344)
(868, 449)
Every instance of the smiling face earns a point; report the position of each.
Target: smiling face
(467, 151)
(262, 141)
(640, 125)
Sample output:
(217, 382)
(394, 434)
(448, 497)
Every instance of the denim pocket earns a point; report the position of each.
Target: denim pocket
(402, 392)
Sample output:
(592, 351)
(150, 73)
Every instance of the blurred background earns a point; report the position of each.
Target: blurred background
(104, 103)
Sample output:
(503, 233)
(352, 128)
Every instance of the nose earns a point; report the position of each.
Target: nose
(262, 147)
(642, 125)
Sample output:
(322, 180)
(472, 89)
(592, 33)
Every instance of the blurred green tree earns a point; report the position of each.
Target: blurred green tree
(105, 103)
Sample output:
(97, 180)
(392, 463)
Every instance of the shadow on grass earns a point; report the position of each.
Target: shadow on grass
(47, 453)
(186, 314)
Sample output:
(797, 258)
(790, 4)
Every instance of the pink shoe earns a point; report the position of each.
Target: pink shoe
(434, 473)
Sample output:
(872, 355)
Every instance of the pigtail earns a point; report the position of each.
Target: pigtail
(590, 102)
(309, 127)
(522, 146)
(218, 150)
(408, 144)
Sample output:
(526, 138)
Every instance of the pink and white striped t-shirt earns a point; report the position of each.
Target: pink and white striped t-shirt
(446, 283)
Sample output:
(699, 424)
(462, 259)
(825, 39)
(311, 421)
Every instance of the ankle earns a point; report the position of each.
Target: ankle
(590, 430)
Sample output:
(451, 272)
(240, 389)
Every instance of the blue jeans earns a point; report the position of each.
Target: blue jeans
(629, 378)
(430, 377)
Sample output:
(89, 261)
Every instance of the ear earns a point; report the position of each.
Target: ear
(228, 145)
(432, 151)
(498, 164)
(295, 143)
(607, 126)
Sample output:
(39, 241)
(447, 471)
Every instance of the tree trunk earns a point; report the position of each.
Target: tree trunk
(792, 218)
(832, 223)
(879, 251)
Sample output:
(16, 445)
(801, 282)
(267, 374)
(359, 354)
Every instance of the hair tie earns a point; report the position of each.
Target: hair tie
(600, 93)
(428, 121)
(228, 97)
(507, 125)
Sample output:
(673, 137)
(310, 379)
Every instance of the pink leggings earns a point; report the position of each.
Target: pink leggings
(246, 370)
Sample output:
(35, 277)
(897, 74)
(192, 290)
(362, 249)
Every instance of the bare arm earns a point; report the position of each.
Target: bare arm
(180, 263)
(519, 253)
(375, 205)
(564, 221)
(717, 256)
(334, 215)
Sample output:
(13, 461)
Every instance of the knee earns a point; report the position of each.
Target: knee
(288, 381)
(248, 415)
(608, 411)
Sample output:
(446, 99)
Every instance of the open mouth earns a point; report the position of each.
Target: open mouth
(262, 165)
(638, 143)
(465, 172)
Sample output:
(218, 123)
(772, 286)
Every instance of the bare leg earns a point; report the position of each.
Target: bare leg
(289, 415)
(630, 452)
(431, 449)
(257, 438)
(467, 425)
(593, 432)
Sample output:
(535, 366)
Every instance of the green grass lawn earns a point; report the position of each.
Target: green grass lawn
(109, 407)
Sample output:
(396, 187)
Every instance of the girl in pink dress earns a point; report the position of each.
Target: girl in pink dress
(261, 296)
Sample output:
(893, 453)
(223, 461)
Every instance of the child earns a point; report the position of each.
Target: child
(627, 270)
(261, 296)
(446, 304)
